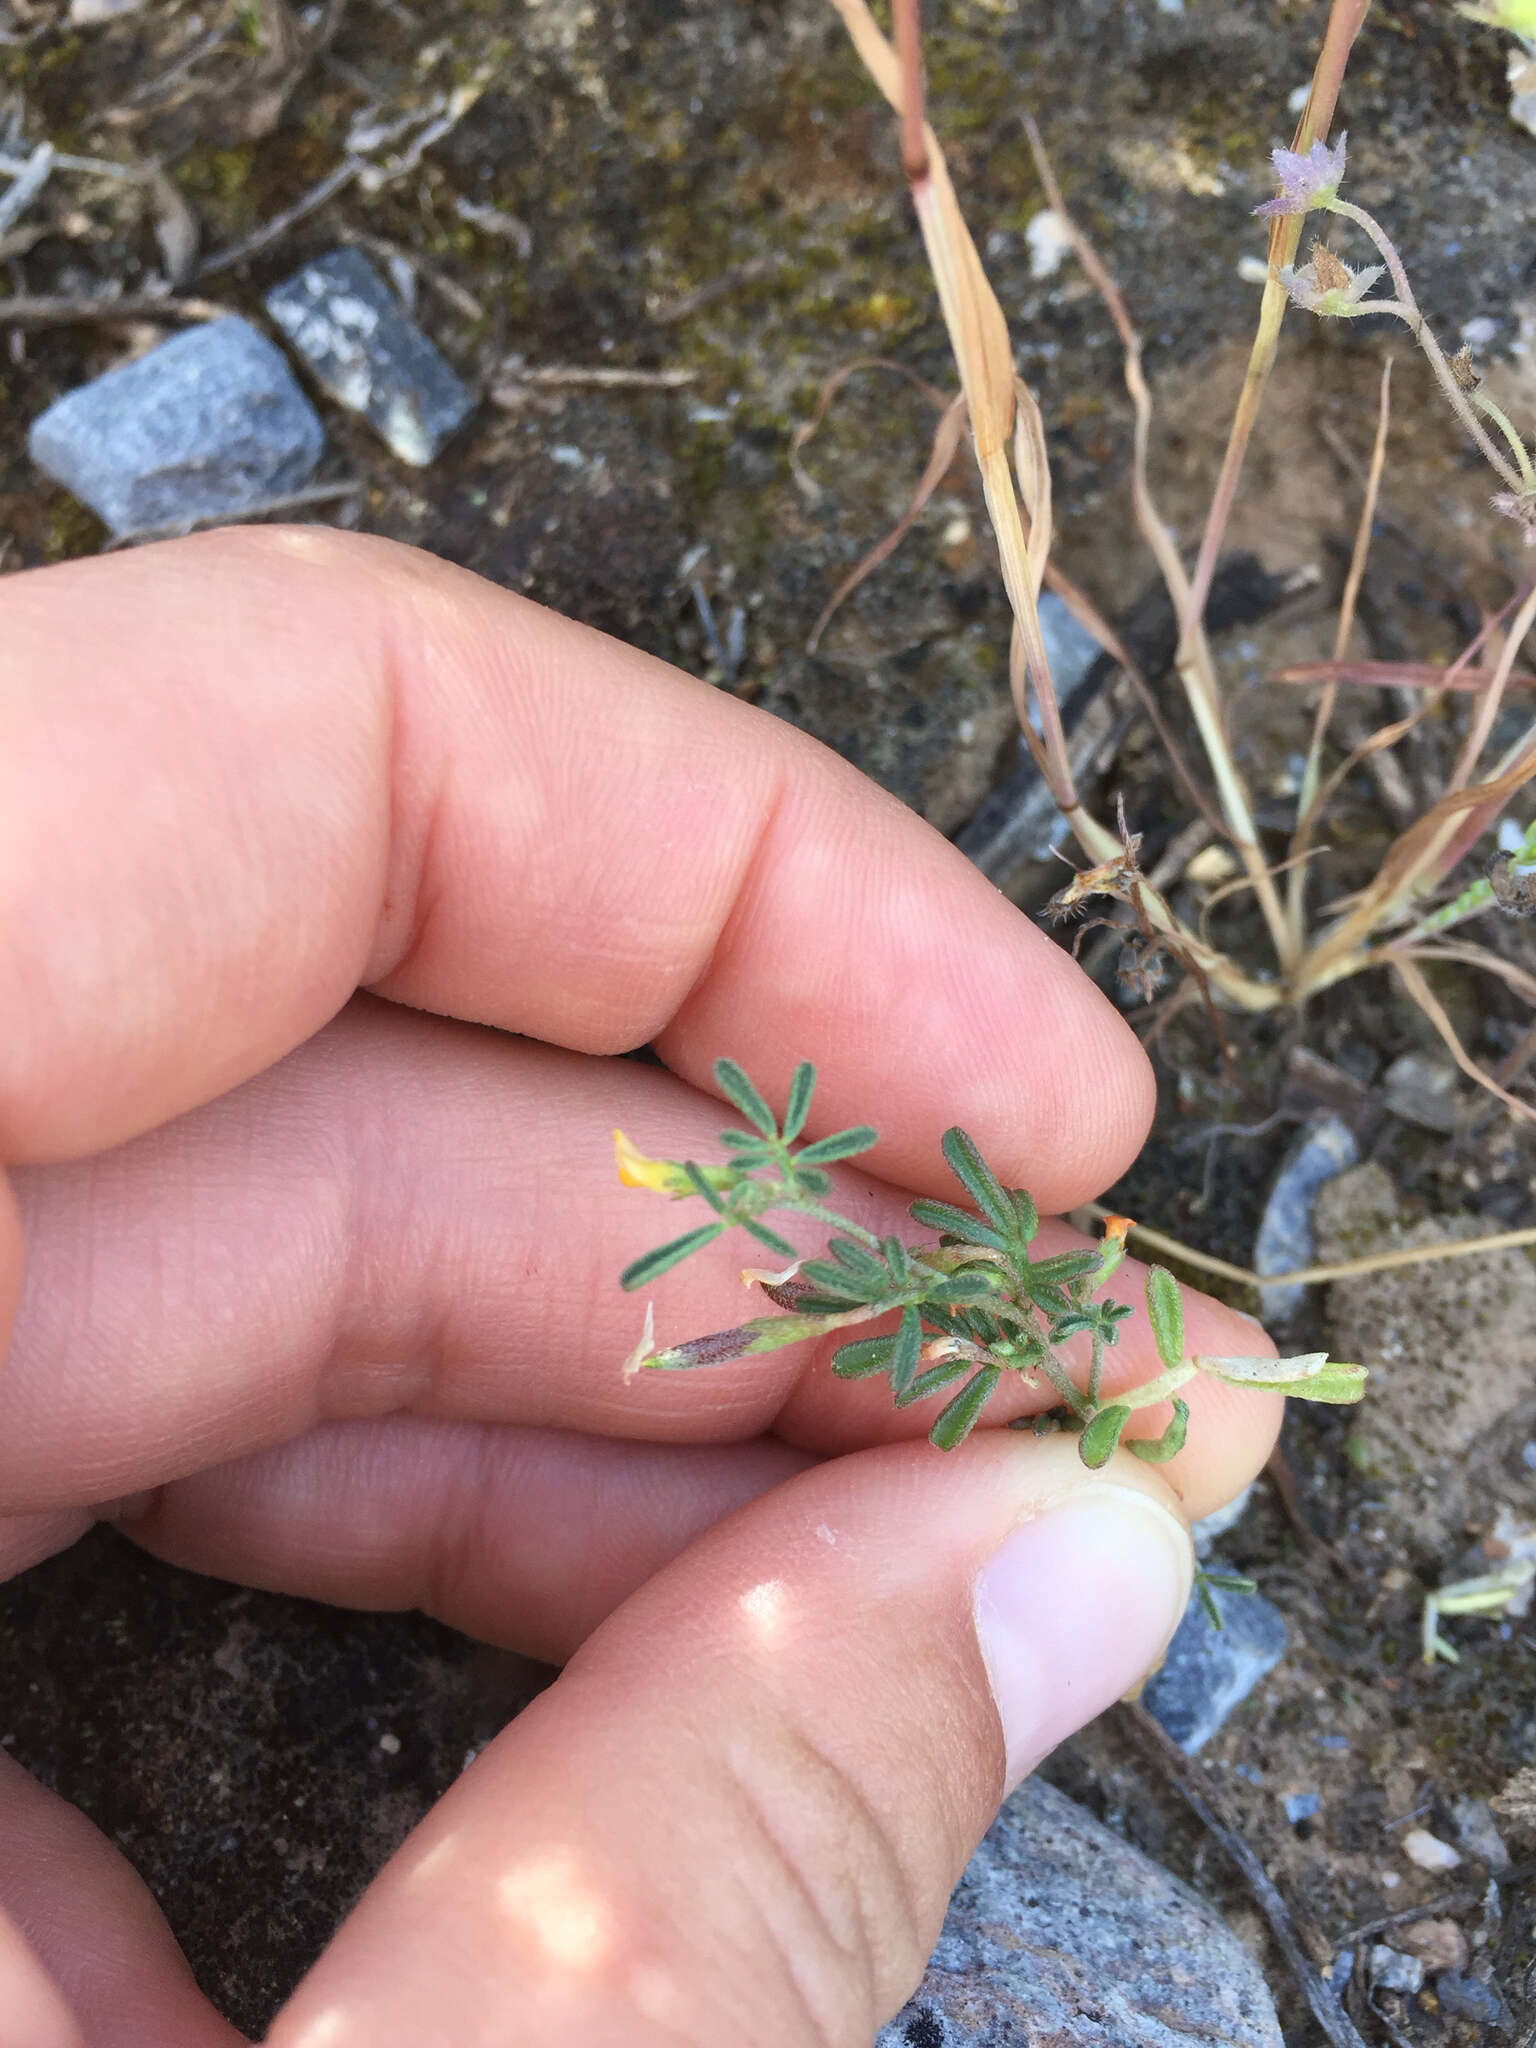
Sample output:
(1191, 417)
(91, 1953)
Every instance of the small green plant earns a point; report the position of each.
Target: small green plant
(972, 1307)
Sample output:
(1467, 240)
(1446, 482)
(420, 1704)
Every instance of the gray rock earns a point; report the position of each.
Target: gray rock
(206, 425)
(1422, 1091)
(1468, 1998)
(1478, 1832)
(356, 337)
(1208, 1671)
(1284, 1242)
(1391, 1970)
(1060, 1931)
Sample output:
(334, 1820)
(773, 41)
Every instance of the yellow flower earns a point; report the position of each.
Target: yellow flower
(636, 1171)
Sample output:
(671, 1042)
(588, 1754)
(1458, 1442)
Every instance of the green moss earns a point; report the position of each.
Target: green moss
(69, 530)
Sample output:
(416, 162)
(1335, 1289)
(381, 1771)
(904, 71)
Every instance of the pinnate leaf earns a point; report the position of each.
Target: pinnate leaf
(955, 1422)
(1159, 1449)
(802, 1085)
(650, 1265)
(979, 1181)
(1097, 1443)
(736, 1088)
(1165, 1311)
(841, 1145)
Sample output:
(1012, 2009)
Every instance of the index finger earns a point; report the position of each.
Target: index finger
(242, 775)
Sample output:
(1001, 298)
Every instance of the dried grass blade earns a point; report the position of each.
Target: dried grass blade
(946, 441)
(1396, 675)
(1093, 621)
(1409, 859)
(978, 335)
(1493, 696)
(1419, 990)
(1468, 954)
(807, 430)
(1307, 799)
(1196, 671)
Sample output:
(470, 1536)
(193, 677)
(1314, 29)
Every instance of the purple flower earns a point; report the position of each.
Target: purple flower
(1305, 181)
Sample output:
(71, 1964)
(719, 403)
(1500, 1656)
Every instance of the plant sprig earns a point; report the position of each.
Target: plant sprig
(972, 1308)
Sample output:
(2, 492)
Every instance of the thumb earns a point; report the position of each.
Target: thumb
(33, 2012)
(739, 1813)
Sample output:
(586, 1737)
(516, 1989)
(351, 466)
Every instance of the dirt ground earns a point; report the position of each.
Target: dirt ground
(708, 187)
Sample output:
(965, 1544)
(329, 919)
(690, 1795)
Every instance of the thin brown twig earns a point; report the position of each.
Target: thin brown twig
(1408, 972)
(64, 311)
(1201, 1797)
(942, 452)
(1307, 800)
(1310, 1276)
(274, 229)
(1195, 668)
(1488, 708)
(1093, 621)
(517, 383)
(1397, 675)
(1389, 735)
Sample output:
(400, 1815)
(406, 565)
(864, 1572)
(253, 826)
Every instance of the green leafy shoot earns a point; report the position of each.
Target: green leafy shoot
(977, 1307)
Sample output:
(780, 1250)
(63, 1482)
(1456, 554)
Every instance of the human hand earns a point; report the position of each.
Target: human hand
(320, 1288)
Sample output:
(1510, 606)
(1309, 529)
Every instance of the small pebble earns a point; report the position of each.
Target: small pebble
(371, 357)
(1301, 1805)
(205, 426)
(390, 1744)
(1438, 1944)
(1393, 1971)
(1049, 240)
(1478, 1833)
(1428, 1851)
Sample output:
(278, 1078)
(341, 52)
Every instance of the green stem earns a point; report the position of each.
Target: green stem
(1162, 1388)
(1064, 1384)
(1489, 410)
(1407, 310)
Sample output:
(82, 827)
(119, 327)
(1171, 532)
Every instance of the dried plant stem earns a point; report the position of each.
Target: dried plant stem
(1346, 18)
(1493, 696)
(28, 311)
(1412, 978)
(978, 335)
(1195, 665)
(1307, 800)
(1419, 852)
(1342, 1269)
